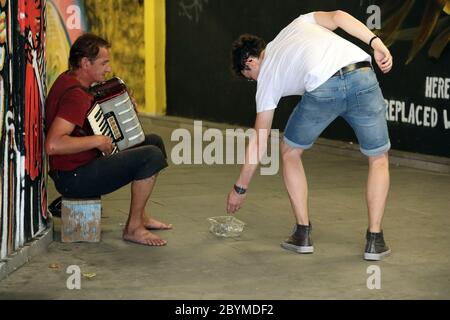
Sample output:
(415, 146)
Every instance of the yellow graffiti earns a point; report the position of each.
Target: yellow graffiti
(426, 30)
(58, 47)
(121, 22)
(447, 7)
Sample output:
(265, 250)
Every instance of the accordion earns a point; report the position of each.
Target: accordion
(113, 115)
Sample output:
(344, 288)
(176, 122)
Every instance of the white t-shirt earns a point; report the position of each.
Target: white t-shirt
(303, 56)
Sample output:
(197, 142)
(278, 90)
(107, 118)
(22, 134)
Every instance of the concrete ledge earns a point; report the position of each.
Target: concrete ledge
(400, 158)
(396, 157)
(36, 247)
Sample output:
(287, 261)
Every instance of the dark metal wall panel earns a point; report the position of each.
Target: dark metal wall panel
(200, 84)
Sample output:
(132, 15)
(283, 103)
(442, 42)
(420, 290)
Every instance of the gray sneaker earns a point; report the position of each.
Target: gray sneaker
(300, 241)
(376, 248)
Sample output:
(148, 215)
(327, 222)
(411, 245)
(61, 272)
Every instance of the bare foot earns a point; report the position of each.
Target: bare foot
(153, 224)
(143, 236)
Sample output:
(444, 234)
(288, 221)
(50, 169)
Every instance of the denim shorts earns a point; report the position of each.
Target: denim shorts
(356, 96)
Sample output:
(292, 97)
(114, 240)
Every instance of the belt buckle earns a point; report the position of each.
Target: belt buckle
(351, 67)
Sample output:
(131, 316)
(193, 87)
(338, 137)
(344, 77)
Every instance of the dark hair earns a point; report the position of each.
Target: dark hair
(245, 46)
(86, 46)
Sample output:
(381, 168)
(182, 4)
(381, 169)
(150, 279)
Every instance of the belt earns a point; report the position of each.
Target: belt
(352, 67)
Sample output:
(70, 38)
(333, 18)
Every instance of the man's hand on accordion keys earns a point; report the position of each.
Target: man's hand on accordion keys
(105, 144)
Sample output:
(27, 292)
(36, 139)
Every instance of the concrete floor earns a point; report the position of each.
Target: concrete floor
(197, 265)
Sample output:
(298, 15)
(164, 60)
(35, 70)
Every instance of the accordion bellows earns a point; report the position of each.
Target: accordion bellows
(113, 115)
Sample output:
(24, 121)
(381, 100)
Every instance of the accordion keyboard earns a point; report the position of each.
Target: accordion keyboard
(100, 126)
(113, 115)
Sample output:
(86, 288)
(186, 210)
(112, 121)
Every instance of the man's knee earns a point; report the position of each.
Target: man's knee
(156, 140)
(380, 160)
(289, 153)
(151, 162)
(154, 154)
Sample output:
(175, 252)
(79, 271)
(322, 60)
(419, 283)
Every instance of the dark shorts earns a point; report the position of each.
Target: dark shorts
(107, 174)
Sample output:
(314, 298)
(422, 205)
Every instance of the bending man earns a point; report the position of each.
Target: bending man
(335, 78)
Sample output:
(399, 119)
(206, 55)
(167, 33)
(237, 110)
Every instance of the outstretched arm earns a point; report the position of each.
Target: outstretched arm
(255, 151)
(340, 19)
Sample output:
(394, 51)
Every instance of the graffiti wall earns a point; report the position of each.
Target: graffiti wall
(25, 76)
(66, 21)
(22, 94)
(121, 22)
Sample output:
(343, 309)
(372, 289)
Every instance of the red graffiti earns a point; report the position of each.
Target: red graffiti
(31, 26)
(33, 125)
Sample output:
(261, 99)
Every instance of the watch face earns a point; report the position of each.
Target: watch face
(240, 190)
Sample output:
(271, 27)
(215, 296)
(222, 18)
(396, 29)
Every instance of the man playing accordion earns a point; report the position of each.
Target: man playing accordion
(81, 163)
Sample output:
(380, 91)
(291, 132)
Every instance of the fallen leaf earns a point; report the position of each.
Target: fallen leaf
(89, 275)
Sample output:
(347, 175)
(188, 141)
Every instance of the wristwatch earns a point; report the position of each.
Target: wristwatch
(239, 190)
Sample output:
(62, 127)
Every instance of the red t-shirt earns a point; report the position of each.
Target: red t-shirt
(69, 101)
